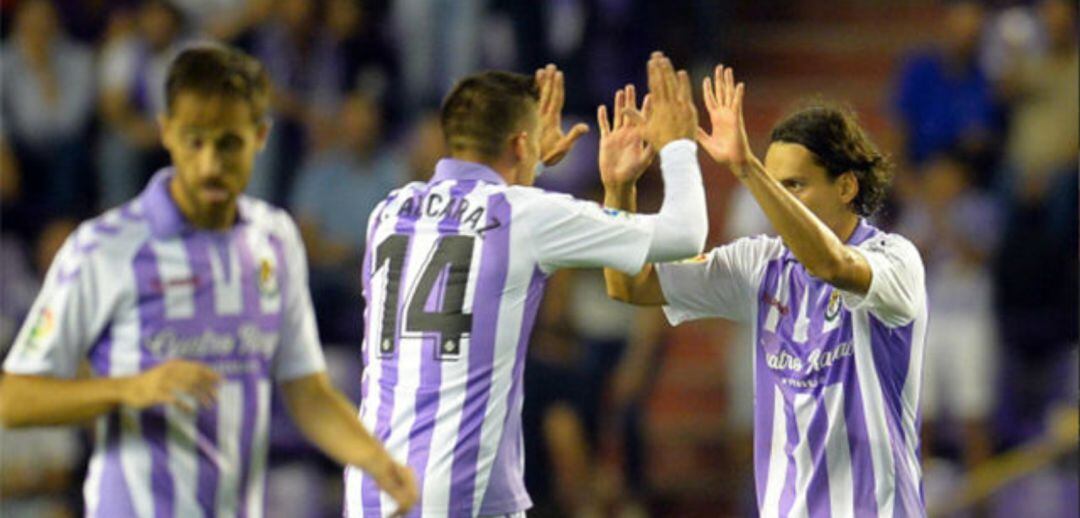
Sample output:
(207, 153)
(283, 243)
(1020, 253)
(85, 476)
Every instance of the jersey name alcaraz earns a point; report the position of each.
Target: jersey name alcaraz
(453, 273)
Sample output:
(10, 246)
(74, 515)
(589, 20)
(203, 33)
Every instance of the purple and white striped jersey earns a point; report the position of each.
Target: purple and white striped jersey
(836, 376)
(138, 286)
(453, 276)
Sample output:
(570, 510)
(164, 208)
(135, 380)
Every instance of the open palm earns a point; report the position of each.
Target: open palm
(727, 144)
(624, 154)
(554, 142)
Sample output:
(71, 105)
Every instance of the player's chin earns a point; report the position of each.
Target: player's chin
(216, 196)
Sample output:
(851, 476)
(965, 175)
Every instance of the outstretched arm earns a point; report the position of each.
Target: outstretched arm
(666, 115)
(817, 247)
(27, 400)
(327, 419)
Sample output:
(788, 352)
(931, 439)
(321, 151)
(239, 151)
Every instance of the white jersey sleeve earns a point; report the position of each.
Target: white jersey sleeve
(568, 233)
(72, 310)
(299, 353)
(721, 283)
(897, 291)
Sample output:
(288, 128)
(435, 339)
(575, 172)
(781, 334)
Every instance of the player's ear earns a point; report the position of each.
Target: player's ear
(262, 132)
(163, 129)
(519, 143)
(849, 187)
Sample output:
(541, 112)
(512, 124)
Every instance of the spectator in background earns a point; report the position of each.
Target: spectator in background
(1035, 273)
(943, 98)
(426, 147)
(368, 61)
(307, 73)
(956, 227)
(439, 42)
(38, 467)
(337, 188)
(621, 355)
(132, 83)
(46, 92)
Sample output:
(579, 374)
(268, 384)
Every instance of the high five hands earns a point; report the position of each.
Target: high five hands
(727, 144)
(629, 142)
(554, 143)
(624, 154)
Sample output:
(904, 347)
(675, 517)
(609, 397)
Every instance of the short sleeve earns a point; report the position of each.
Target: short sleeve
(570, 233)
(68, 316)
(299, 353)
(897, 291)
(721, 283)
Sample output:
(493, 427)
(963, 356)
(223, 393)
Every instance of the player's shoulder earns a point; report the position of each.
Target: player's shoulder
(269, 218)
(527, 200)
(760, 246)
(114, 234)
(891, 243)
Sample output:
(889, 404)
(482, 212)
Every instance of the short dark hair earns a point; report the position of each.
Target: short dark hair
(839, 145)
(484, 109)
(213, 70)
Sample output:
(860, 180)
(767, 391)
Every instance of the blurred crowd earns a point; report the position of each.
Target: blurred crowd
(987, 187)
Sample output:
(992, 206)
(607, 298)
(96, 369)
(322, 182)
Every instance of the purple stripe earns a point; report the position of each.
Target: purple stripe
(489, 290)
(507, 481)
(796, 284)
(101, 352)
(154, 429)
(863, 479)
(763, 389)
(369, 491)
(787, 495)
(892, 356)
(114, 497)
(817, 305)
(206, 422)
(365, 274)
(427, 396)
(817, 492)
(247, 432)
(155, 432)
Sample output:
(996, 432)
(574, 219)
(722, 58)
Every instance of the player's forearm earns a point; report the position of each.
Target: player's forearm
(683, 221)
(329, 421)
(46, 401)
(621, 197)
(812, 242)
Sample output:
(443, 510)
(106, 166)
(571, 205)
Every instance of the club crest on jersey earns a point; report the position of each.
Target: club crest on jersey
(268, 283)
(44, 327)
(833, 309)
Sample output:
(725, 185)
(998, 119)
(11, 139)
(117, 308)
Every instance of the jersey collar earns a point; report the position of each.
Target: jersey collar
(863, 231)
(454, 169)
(164, 215)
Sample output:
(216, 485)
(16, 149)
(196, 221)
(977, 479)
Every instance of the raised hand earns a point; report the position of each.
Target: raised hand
(554, 143)
(672, 114)
(624, 154)
(727, 144)
(183, 383)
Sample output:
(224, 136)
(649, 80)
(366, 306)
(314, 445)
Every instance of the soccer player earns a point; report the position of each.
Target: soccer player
(455, 269)
(188, 302)
(838, 309)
